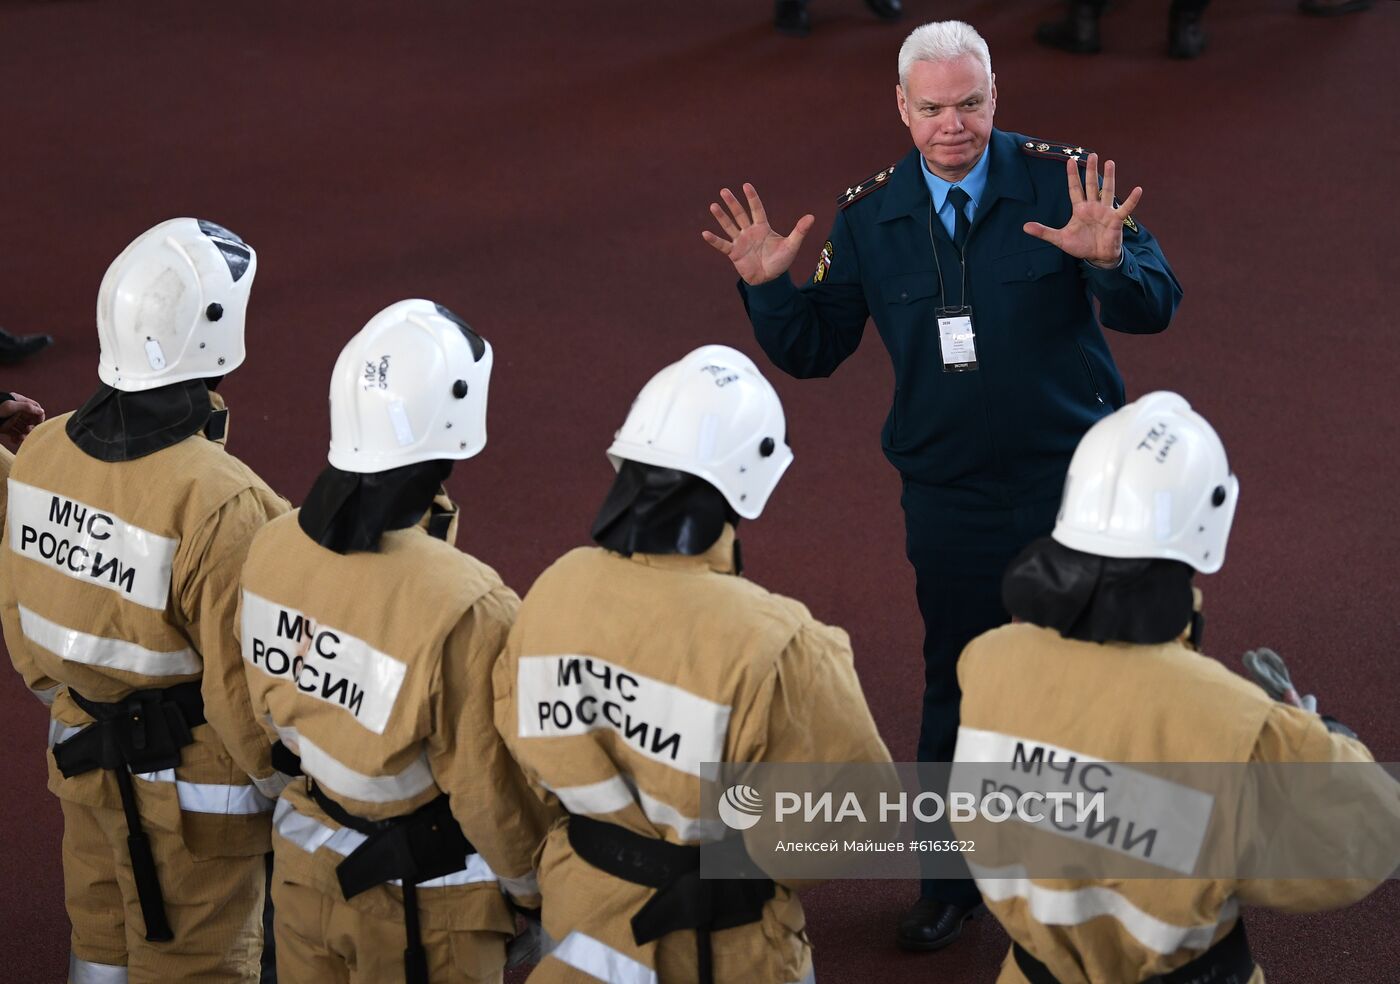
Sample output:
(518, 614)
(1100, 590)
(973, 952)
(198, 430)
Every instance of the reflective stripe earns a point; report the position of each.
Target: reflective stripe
(607, 796)
(1074, 907)
(208, 797)
(618, 793)
(687, 828)
(310, 835)
(272, 786)
(60, 732)
(87, 972)
(342, 780)
(79, 647)
(583, 952)
(46, 696)
(524, 885)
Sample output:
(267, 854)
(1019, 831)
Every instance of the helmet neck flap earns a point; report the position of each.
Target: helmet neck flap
(118, 426)
(1084, 596)
(655, 510)
(351, 511)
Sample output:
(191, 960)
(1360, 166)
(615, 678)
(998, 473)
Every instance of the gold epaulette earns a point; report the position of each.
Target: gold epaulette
(1055, 151)
(859, 191)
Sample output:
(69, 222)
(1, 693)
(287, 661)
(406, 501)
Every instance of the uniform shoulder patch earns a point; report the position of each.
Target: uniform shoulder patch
(858, 191)
(1054, 150)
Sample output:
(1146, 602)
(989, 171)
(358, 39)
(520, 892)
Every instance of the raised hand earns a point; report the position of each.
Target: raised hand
(758, 253)
(1095, 228)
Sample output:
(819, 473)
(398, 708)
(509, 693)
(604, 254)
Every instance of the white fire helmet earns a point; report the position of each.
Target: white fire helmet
(1150, 480)
(409, 387)
(172, 306)
(713, 415)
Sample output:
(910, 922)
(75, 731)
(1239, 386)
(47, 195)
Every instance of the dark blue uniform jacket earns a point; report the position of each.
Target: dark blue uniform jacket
(1003, 434)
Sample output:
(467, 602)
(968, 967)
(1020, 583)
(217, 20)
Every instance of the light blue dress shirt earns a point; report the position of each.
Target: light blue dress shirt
(973, 183)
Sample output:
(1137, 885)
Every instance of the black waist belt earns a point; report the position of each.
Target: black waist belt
(683, 900)
(142, 733)
(1227, 962)
(417, 847)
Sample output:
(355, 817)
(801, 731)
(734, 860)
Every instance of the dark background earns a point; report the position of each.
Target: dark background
(544, 170)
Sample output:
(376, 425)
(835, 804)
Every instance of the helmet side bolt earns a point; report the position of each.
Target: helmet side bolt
(214, 312)
(766, 447)
(1217, 497)
(459, 388)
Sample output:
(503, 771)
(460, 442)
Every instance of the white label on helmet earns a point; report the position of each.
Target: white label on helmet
(1162, 515)
(154, 355)
(709, 430)
(403, 430)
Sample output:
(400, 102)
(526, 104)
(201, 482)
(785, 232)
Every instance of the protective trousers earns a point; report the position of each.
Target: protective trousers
(326, 940)
(214, 907)
(959, 556)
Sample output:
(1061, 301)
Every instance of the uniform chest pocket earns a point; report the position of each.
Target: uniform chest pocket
(906, 288)
(1029, 265)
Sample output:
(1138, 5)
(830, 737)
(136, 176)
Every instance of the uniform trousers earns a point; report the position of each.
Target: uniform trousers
(327, 940)
(959, 553)
(214, 907)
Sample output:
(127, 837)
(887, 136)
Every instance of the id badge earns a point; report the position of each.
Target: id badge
(958, 339)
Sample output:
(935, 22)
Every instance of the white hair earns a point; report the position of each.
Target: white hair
(942, 41)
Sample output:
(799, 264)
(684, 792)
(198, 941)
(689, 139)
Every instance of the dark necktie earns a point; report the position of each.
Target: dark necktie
(959, 198)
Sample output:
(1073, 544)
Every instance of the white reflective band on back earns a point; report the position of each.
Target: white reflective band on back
(321, 661)
(1074, 907)
(618, 793)
(311, 835)
(583, 952)
(339, 778)
(607, 796)
(90, 545)
(567, 695)
(687, 828)
(46, 696)
(87, 972)
(208, 797)
(79, 647)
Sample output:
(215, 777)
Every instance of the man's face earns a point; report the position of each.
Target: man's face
(948, 108)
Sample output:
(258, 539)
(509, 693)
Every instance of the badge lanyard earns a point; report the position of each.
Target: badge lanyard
(956, 336)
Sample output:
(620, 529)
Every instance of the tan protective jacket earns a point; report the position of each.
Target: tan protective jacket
(621, 676)
(123, 576)
(375, 667)
(1119, 703)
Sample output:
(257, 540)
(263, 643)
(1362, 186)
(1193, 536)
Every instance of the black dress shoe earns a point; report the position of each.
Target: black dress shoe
(790, 18)
(886, 9)
(1078, 33)
(1322, 8)
(1185, 36)
(13, 348)
(932, 924)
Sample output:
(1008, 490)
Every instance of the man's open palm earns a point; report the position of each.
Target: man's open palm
(758, 253)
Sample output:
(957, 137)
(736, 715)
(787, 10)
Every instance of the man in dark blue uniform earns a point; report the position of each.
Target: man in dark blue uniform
(979, 269)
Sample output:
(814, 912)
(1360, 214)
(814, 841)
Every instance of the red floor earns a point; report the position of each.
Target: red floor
(544, 169)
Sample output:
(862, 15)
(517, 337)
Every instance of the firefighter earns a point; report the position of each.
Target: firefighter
(127, 526)
(633, 662)
(368, 641)
(1104, 668)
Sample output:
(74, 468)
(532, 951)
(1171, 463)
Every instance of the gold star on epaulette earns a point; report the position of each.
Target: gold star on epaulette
(1055, 151)
(859, 191)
